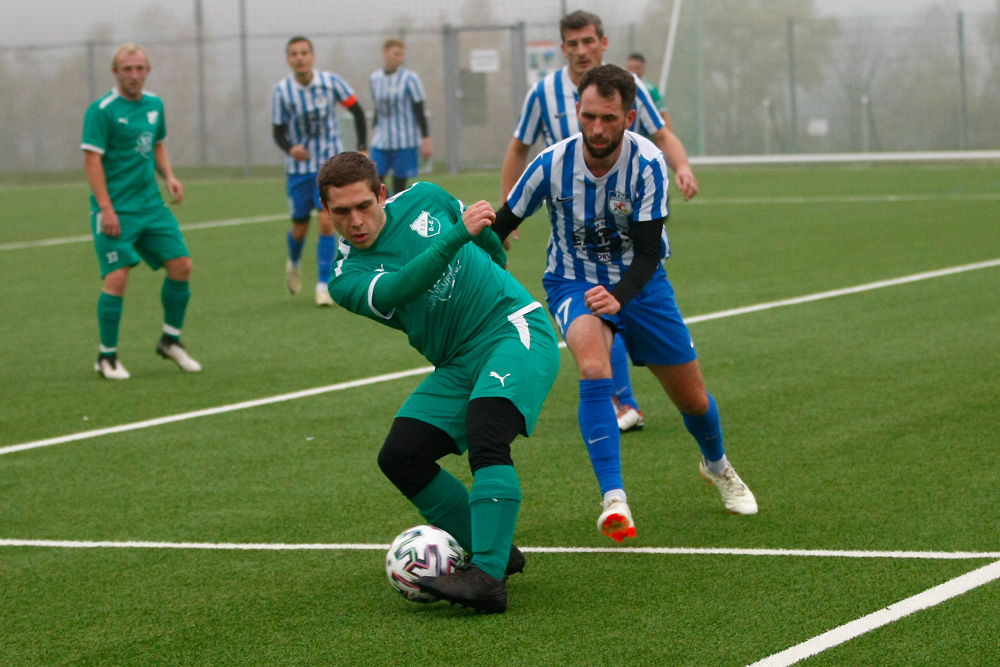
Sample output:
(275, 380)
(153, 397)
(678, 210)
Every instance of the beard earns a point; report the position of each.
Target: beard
(601, 153)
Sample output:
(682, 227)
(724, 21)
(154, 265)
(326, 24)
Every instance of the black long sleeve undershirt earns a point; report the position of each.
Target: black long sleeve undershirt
(418, 111)
(645, 247)
(360, 129)
(280, 133)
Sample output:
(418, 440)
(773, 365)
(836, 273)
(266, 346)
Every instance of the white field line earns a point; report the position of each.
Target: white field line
(894, 612)
(703, 201)
(84, 435)
(233, 222)
(662, 551)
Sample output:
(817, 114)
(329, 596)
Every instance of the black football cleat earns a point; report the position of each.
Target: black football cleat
(470, 587)
(515, 563)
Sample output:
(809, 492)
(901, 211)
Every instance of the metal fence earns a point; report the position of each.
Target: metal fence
(743, 80)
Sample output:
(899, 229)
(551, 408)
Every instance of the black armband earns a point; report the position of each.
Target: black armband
(645, 259)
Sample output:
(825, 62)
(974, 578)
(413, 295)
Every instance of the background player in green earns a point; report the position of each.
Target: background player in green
(409, 264)
(123, 135)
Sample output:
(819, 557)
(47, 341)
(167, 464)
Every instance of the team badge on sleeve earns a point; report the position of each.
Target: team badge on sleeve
(426, 225)
(619, 203)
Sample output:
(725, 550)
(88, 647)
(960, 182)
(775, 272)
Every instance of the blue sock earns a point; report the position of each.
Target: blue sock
(599, 427)
(295, 249)
(326, 249)
(620, 375)
(707, 430)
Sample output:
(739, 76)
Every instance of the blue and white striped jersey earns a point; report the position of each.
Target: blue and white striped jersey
(550, 110)
(310, 112)
(394, 94)
(592, 217)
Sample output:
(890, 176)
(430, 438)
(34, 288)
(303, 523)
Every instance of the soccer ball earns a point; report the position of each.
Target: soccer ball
(421, 551)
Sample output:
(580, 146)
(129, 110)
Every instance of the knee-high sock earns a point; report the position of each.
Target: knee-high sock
(599, 428)
(326, 249)
(174, 296)
(109, 317)
(620, 374)
(494, 502)
(707, 430)
(295, 248)
(445, 503)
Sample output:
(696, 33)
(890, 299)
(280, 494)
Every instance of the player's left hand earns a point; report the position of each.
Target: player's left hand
(426, 149)
(600, 301)
(686, 182)
(478, 216)
(176, 190)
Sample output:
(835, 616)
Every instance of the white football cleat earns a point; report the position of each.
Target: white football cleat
(323, 297)
(110, 368)
(173, 350)
(293, 277)
(630, 419)
(735, 493)
(616, 520)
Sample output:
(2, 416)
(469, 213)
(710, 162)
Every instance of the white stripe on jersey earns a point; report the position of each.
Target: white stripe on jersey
(394, 94)
(591, 217)
(310, 112)
(550, 110)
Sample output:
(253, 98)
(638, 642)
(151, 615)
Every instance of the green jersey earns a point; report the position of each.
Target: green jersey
(448, 295)
(124, 133)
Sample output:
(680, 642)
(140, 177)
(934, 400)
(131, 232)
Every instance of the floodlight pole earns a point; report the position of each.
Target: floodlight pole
(247, 136)
(202, 122)
(668, 52)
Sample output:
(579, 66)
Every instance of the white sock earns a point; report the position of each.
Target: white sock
(614, 493)
(716, 467)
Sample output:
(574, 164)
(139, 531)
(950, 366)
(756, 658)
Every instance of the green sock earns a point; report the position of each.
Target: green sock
(109, 317)
(175, 296)
(495, 500)
(445, 503)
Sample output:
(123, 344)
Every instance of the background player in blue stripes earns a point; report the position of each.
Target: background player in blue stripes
(606, 193)
(304, 116)
(401, 132)
(549, 111)
(123, 135)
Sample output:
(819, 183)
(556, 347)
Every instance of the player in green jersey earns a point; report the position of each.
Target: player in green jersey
(423, 263)
(123, 135)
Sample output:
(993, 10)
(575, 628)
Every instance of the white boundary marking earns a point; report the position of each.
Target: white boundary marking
(211, 224)
(84, 435)
(894, 612)
(661, 551)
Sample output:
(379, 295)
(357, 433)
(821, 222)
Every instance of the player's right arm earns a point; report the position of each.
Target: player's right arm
(98, 181)
(391, 290)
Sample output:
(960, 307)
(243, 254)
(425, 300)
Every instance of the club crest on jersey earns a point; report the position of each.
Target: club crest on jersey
(152, 116)
(426, 225)
(619, 203)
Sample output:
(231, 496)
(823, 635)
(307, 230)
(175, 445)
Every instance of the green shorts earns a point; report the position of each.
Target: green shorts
(152, 235)
(519, 364)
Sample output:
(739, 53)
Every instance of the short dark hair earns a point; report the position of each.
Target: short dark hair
(610, 79)
(637, 56)
(299, 38)
(579, 20)
(346, 168)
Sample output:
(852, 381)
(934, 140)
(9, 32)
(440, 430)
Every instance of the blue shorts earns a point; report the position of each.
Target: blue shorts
(650, 324)
(303, 195)
(402, 163)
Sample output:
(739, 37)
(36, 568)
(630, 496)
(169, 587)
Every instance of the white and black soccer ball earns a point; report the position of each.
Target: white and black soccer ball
(421, 551)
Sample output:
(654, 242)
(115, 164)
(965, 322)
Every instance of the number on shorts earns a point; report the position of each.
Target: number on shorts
(562, 314)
